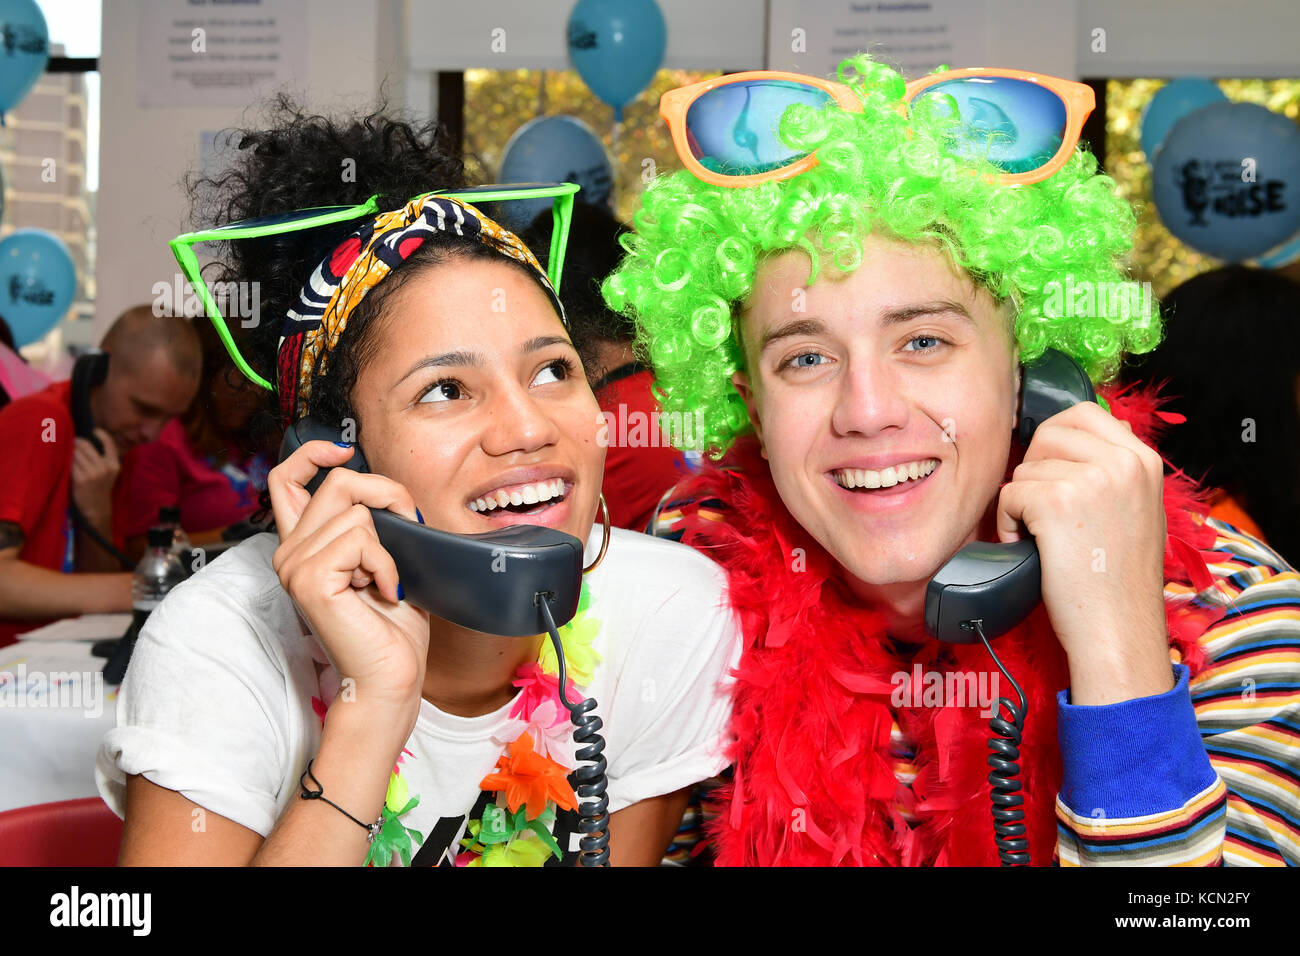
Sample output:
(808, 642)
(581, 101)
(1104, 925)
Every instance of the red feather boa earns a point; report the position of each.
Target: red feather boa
(814, 783)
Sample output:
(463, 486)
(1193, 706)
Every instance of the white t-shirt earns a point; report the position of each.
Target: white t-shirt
(217, 701)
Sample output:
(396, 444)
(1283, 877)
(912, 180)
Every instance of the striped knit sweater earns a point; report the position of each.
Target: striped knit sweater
(1247, 713)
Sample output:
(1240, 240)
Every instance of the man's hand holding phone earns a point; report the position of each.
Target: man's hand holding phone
(93, 476)
(1091, 495)
(345, 583)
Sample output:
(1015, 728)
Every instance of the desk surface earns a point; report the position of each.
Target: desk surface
(54, 709)
(87, 627)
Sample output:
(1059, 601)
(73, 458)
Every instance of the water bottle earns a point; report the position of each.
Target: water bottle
(170, 517)
(157, 573)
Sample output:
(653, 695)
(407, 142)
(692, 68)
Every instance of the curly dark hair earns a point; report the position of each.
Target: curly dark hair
(298, 160)
(593, 252)
(1229, 365)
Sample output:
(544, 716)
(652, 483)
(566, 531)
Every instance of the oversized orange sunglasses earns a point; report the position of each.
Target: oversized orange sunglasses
(1026, 124)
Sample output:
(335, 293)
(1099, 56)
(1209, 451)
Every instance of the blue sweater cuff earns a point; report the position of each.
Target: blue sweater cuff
(1133, 758)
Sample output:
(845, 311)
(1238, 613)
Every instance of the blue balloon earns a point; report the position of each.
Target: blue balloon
(616, 46)
(554, 149)
(1227, 180)
(24, 50)
(1282, 255)
(37, 283)
(1171, 103)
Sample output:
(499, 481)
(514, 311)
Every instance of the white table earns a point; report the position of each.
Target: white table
(55, 708)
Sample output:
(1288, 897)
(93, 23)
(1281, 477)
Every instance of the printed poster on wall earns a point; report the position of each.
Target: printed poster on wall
(914, 36)
(219, 53)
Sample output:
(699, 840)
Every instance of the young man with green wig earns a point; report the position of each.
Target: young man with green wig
(851, 310)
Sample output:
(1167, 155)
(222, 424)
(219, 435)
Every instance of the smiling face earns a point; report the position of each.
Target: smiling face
(885, 406)
(475, 395)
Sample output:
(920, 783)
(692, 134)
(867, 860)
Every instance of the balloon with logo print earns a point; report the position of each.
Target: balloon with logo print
(24, 50)
(37, 283)
(616, 46)
(1227, 180)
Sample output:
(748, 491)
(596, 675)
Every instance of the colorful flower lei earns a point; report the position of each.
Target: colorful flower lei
(530, 779)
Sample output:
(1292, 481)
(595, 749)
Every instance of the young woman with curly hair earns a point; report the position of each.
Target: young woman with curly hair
(294, 666)
(848, 288)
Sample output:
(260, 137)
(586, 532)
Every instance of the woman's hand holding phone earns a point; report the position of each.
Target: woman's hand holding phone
(345, 583)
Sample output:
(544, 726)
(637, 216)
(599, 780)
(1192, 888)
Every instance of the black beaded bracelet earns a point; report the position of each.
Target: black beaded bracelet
(371, 828)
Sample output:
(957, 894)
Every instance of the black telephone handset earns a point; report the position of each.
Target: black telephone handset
(1000, 584)
(486, 582)
(516, 582)
(89, 370)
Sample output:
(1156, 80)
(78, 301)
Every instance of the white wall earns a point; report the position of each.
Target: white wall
(458, 34)
(703, 34)
(1215, 38)
(1143, 37)
(144, 153)
(1037, 35)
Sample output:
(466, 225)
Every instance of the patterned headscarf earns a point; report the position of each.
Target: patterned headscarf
(313, 325)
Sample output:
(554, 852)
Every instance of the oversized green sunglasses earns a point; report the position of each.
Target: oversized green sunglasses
(560, 194)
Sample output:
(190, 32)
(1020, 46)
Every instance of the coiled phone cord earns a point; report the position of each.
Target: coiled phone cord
(1008, 803)
(593, 823)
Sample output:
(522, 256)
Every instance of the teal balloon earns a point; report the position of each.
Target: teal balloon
(553, 149)
(1171, 103)
(617, 46)
(1227, 180)
(24, 50)
(37, 283)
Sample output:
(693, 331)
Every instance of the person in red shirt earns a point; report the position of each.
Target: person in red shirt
(211, 462)
(641, 464)
(152, 376)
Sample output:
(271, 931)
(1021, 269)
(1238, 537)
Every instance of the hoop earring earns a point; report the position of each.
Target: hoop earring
(604, 540)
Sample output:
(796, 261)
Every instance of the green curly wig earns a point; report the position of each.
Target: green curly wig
(692, 259)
